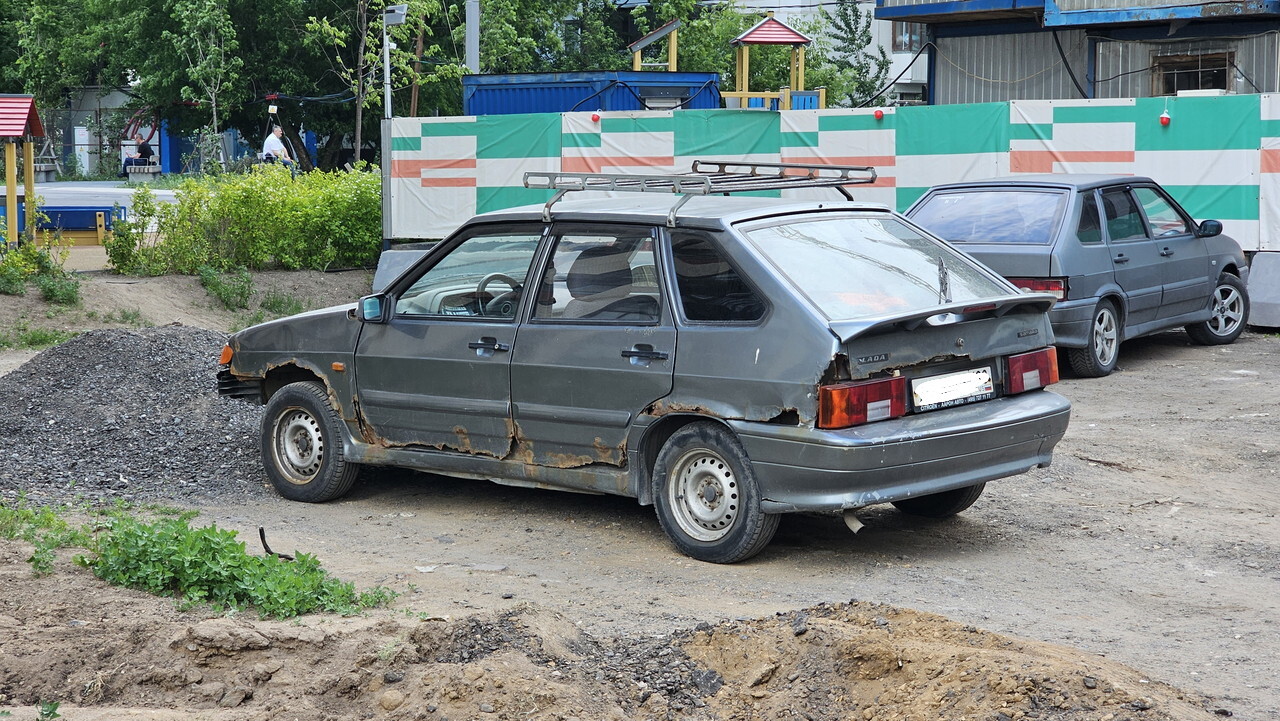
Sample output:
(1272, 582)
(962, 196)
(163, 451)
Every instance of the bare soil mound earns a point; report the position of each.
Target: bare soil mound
(111, 653)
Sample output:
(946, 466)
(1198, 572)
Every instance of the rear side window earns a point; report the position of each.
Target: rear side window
(1090, 228)
(1124, 220)
(710, 288)
(856, 266)
(992, 216)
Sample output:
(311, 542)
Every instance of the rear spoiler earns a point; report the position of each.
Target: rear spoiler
(946, 314)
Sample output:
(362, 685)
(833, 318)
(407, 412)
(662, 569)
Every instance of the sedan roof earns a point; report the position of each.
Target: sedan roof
(1070, 181)
(654, 208)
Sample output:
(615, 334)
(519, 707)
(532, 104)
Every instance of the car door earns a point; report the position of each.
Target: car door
(1187, 277)
(437, 374)
(1138, 267)
(598, 348)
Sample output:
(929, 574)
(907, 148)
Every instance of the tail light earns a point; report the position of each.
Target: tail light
(1057, 287)
(851, 404)
(1029, 371)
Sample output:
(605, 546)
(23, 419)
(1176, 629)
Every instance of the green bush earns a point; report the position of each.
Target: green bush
(12, 280)
(281, 304)
(258, 220)
(59, 289)
(208, 565)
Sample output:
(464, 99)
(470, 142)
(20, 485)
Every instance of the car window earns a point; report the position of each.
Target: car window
(1124, 220)
(991, 216)
(1089, 230)
(854, 266)
(1162, 217)
(601, 277)
(482, 276)
(710, 288)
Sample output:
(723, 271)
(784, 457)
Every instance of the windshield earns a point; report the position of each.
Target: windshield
(854, 266)
(991, 216)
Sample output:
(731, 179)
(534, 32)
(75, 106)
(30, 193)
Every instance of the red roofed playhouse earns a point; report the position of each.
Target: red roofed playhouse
(772, 31)
(19, 123)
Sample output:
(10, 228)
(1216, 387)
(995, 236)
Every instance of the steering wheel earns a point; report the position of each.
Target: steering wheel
(504, 305)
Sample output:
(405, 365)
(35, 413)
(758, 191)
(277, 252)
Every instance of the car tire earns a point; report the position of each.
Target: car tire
(302, 445)
(1099, 357)
(941, 505)
(706, 496)
(1230, 313)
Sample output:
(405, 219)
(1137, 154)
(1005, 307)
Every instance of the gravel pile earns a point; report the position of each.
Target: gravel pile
(131, 415)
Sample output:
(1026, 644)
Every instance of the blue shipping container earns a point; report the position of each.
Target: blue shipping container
(71, 217)
(588, 91)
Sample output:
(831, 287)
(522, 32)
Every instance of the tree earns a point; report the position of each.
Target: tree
(208, 43)
(858, 66)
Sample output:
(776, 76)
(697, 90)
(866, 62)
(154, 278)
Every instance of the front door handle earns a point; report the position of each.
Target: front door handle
(1165, 252)
(1121, 258)
(487, 346)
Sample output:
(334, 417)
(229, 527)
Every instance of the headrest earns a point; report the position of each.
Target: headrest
(597, 270)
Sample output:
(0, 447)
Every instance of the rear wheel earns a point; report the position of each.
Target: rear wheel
(1099, 357)
(941, 505)
(706, 496)
(302, 445)
(1230, 302)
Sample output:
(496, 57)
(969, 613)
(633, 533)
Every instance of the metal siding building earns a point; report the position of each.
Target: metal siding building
(994, 68)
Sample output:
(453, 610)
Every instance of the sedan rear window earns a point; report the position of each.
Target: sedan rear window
(991, 216)
(853, 266)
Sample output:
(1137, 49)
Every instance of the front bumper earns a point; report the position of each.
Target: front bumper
(803, 469)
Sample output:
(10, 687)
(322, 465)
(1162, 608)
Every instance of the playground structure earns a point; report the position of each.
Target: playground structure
(19, 127)
(772, 31)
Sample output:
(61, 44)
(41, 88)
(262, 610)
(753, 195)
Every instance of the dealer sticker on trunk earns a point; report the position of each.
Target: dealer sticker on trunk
(952, 389)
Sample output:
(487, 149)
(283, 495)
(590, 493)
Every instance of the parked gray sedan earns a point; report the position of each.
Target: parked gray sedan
(1122, 257)
(724, 359)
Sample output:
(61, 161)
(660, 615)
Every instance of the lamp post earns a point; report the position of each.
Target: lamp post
(391, 15)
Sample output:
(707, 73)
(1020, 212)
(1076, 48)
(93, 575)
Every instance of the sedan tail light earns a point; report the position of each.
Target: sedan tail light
(850, 404)
(1029, 371)
(1057, 287)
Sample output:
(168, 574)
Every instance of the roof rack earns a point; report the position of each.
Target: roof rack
(707, 177)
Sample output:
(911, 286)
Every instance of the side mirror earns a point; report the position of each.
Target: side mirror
(371, 308)
(1209, 228)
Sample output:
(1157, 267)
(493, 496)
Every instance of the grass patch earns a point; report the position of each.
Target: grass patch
(206, 565)
(59, 290)
(233, 289)
(281, 304)
(24, 338)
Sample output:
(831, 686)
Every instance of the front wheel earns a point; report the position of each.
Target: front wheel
(706, 496)
(1099, 357)
(1230, 304)
(302, 445)
(941, 505)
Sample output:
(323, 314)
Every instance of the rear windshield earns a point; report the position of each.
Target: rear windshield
(855, 266)
(991, 216)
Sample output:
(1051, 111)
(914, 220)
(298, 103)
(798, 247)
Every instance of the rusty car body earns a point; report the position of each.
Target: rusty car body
(727, 360)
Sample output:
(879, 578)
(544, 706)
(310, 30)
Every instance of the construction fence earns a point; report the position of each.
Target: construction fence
(1219, 156)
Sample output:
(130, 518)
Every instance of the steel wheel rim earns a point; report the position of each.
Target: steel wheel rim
(298, 445)
(1105, 337)
(1228, 311)
(703, 495)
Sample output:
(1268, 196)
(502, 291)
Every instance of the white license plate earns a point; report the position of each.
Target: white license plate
(952, 389)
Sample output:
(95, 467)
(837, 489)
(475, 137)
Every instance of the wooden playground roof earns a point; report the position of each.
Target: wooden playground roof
(18, 117)
(771, 31)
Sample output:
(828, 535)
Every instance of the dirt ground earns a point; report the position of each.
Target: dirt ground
(1136, 578)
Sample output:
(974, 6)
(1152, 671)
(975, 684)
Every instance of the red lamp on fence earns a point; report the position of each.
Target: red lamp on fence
(1165, 119)
(879, 114)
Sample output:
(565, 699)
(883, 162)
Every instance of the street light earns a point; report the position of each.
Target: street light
(392, 15)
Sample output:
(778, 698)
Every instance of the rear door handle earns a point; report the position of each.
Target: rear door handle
(490, 344)
(1121, 258)
(1165, 252)
(640, 353)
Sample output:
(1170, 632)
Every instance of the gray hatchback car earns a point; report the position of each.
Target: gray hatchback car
(1122, 257)
(726, 359)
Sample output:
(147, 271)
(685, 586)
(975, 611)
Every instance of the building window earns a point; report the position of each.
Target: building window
(1208, 71)
(908, 37)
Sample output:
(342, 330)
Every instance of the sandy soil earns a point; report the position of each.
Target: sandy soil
(1137, 578)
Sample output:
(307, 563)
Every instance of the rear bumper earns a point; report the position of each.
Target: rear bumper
(800, 469)
(1072, 322)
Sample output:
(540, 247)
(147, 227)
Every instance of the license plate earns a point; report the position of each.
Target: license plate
(952, 389)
